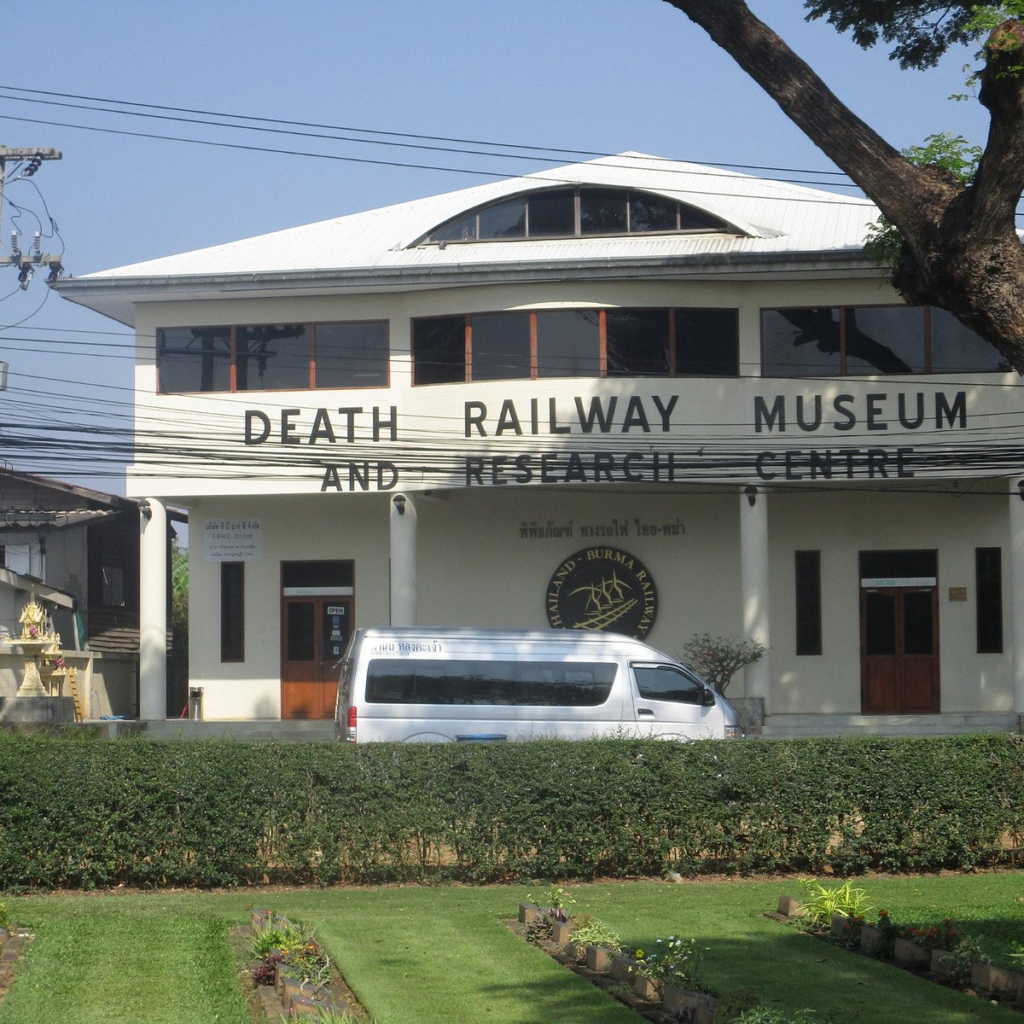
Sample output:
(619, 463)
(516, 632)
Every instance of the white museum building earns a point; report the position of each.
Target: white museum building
(629, 394)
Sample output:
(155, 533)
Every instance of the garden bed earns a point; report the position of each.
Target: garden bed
(12, 948)
(275, 993)
(924, 952)
(611, 971)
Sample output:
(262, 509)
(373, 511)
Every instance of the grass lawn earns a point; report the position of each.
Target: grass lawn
(445, 954)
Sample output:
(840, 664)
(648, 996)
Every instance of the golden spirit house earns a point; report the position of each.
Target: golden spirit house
(629, 394)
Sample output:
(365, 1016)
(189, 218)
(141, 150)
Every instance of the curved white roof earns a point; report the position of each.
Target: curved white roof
(772, 218)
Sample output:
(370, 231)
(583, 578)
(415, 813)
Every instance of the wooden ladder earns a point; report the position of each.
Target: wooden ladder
(76, 696)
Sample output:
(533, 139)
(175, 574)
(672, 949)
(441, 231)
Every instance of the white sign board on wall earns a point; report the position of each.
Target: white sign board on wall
(232, 540)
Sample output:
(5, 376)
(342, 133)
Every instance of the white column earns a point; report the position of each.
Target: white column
(1013, 589)
(403, 561)
(153, 612)
(754, 585)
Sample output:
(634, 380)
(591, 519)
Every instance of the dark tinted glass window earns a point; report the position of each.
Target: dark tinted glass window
(568, 343)
(651, 213)
(352, 355)
(692, 219)
(301, 631)
(194, 359)
(801, 342)
(918, 622)
(874, 340)
(707, 342)
(638, 342)
(462, 229)
(898, 565)
(232, 611)
(885, 339)
(272, 357)
(956, 347)
(553, 213)
(461, 682)
(504, 220)
(988, 582)
(439, 350)
(663, 682)
(603, 211)
(608, 211)
(879, 622)
(500, 346)
(316, 574)
(808, 602)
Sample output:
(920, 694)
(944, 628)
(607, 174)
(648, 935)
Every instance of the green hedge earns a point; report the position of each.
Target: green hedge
(95, 813)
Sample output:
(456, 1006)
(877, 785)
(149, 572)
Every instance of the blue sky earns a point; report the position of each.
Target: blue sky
(595, 75)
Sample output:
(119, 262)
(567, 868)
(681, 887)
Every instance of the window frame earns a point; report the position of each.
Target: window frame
(700, 687)
(233, 332)
(536, 360)
(808, 618)
(988, 600)
(232, 612)
(715, 225)
(843, 370)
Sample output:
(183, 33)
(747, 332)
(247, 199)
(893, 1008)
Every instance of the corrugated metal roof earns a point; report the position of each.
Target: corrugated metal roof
(53, 518)
(770, 218)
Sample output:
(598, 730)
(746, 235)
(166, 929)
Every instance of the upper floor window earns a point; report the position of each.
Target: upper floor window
(569, 212)
(843, 341)
(576, 343)
(273, 357)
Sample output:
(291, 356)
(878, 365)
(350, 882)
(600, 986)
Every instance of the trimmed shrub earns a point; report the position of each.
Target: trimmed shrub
(94, 813)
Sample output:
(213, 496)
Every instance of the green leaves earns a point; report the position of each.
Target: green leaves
(153, 814)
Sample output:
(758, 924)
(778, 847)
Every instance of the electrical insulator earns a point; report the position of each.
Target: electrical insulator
(37, 243)
(15, 248)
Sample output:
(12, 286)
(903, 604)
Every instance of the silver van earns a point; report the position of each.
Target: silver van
(414, 684)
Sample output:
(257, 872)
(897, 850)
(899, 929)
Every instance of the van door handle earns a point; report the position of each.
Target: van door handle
(645, 711)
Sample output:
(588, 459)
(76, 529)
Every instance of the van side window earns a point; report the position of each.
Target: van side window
(663, 682)
(530, 683)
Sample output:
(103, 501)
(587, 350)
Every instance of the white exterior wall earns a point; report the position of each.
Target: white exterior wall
(841, 525)
(480, 563)
(474, 565)
(326, 526)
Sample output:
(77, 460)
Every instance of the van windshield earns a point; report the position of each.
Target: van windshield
(530, 683)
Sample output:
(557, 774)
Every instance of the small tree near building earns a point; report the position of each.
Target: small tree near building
(719, 658)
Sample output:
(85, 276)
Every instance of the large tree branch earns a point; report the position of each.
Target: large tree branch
(1000, 178)
(961, 250)
(894, 184)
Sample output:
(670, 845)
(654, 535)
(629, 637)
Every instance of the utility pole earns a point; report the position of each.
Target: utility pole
(27, 261)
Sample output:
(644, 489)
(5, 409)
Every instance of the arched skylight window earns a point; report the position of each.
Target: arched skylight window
(572, 212)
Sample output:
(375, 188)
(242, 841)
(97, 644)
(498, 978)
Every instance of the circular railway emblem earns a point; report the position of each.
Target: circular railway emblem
(603, 588)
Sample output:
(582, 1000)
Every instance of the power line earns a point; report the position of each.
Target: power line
(522, 147)
(477, 172)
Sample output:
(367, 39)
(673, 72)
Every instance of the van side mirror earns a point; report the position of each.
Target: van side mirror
(708, 700)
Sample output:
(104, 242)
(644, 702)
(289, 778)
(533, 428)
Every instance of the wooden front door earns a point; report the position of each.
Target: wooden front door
(314, 633)
(899, 650)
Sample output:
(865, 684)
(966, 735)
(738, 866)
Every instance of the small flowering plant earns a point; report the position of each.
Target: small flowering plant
(674, 961)
(945, 936)
(849, 934)
(57, 662)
